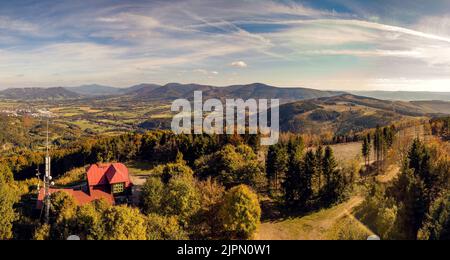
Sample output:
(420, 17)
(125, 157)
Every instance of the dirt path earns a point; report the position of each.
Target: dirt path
(138, 181)
(389, 175)
(317, 226)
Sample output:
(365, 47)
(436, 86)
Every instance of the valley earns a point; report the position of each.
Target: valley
(131, 127)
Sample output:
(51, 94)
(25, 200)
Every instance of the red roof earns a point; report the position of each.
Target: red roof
(80, 196)
(107, 174)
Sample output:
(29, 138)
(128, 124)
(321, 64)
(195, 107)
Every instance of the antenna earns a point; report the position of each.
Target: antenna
(47, 179)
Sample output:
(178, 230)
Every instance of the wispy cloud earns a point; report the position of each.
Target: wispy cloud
(286, 43)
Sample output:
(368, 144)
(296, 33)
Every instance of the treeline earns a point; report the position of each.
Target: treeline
(417, 204)
(306, 179)
(155, 147)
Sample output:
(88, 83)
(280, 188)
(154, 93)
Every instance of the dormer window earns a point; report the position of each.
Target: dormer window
(118, 188)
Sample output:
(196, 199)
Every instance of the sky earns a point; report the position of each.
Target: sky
(322, 44)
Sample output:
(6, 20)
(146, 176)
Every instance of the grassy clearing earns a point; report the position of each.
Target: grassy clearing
(330, 224)
(347, 151)
(86, 124)
(139, 168)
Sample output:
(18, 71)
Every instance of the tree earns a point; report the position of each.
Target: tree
(379, 145)
(167, 171)
(205, 224)
(309, 169)
(88, 220)
(316, 181)
(293, 175)
(62, 208)
(334, 181)
(366, 150)
(8, 198)
(181, 199)
(164, 228)
(61, 201)
(437, 222)
(408, 192)
(232, 165)
(389, 135)
(152, 194)
(420, 162)
(276, 165)
(240, 213)
(124, 223)
(42, 232)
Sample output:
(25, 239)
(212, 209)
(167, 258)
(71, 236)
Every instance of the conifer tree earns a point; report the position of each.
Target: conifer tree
(309, 168)
(317, 178)
(366, 146)
(378, 145)
(292, 182)
(276, 165)
(334, 181)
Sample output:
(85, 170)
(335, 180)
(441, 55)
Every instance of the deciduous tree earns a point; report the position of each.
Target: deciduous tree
(240, 213)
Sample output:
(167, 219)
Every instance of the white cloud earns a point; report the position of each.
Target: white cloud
(206, 72)
(9, 24)
(239, 64)
(133, 41)
(439, 25)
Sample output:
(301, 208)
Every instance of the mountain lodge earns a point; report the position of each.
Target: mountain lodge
(110, 182)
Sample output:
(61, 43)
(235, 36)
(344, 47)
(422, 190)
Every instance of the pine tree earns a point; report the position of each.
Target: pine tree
(334, 181)
(309, 169)
(317, 178)
(276, 165)
(292, 182)
(389, 135)
(420, 163)
(378, 145)
(366, 146)
(408, 190)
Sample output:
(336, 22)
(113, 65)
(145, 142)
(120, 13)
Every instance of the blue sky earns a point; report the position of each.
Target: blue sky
(324, 44)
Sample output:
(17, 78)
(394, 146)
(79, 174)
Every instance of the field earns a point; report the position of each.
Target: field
(87, 117)
(348, 151)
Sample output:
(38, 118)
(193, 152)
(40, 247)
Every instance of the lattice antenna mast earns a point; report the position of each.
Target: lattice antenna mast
(47, 179)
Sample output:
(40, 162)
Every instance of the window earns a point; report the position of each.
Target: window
(118, 188)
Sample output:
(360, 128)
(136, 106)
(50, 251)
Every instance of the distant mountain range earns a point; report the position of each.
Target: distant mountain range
(404, 95)
(57, 93)
(257, 90)
(95, 90)
(420, 101)
(168, 92)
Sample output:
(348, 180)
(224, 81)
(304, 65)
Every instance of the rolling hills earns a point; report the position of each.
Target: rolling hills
(349, 113)
(168, 92)
(95, 90)
(257, 90)
(56, 93)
